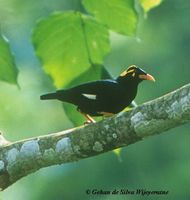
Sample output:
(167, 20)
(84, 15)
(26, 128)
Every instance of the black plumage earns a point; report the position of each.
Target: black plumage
(103, 97)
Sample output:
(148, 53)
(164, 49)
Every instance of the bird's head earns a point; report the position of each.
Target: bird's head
(135, 74)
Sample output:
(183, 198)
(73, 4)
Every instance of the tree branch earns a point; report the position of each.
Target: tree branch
(24, 157)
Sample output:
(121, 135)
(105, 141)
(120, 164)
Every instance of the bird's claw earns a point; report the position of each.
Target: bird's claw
(89, 122)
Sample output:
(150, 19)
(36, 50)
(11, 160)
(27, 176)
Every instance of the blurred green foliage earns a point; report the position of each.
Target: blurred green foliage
(161, 47)
(73, 43)
(118, 15)
(8, 71)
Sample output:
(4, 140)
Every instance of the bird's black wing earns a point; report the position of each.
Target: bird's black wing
(96, 87)
(93, 97)
(90, 90)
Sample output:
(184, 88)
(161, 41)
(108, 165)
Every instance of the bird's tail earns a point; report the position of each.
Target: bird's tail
(49, 96)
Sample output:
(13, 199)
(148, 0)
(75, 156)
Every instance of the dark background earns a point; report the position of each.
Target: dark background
(161, 162)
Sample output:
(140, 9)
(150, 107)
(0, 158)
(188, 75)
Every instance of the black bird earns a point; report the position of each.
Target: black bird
(103, 97)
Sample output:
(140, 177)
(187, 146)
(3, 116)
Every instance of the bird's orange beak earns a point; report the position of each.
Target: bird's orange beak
(147, 77)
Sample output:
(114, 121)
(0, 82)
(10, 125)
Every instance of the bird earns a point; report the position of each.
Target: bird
(103, 97)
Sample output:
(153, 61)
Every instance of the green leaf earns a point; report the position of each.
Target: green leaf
(96, 72)
(68, 44)
(8, 70)
(97, 39)
(149, 4)
(118, 15)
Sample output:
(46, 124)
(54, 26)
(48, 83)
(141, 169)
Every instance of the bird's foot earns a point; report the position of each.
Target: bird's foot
(3, 141)
(89, 121)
